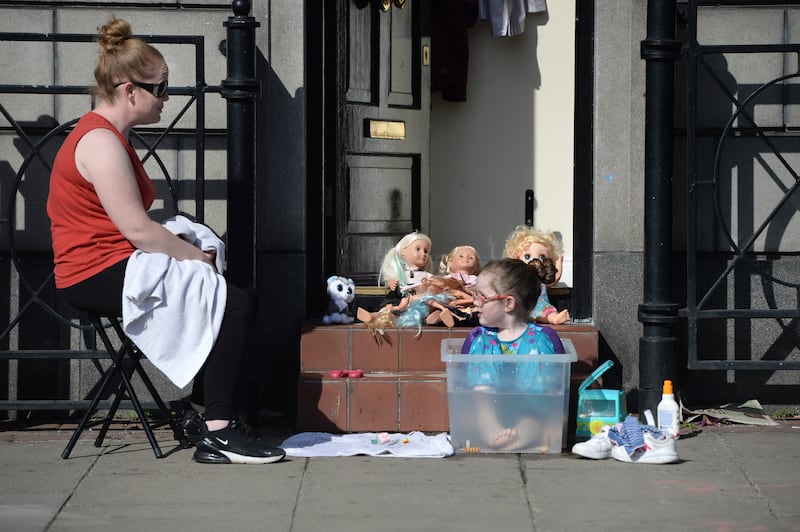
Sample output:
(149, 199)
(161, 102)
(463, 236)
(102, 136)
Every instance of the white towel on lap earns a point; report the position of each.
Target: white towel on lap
(172, 309)
(201, 236)
(411, 445)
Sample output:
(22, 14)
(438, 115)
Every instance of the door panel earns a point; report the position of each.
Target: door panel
(383, 133)
(359, 65)
(401, 67)
(381, 191)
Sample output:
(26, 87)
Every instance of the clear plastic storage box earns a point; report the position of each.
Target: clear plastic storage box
(507, 403)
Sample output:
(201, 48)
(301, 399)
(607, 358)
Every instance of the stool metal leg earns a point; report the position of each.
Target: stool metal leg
(125, 375)
(85, 421)
(136, 356)
(128, 355)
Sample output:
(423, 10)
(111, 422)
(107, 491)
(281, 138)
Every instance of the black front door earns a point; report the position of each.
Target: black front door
(378, 181)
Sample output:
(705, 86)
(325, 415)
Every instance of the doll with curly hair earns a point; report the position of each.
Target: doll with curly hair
(527, 243)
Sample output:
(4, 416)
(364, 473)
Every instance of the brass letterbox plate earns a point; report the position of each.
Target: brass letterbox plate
(386, 129)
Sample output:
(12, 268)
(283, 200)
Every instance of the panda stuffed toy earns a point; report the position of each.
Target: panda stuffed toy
(341, 292)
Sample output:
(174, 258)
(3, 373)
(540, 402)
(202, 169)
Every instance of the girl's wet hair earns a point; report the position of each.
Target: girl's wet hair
(523, 281)
(122, 57)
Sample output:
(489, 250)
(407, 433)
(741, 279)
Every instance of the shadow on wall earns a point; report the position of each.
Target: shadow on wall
(26, 321)
(504, 75)
(280, 239)
(26, 186)
(612, 378)
(741, 260)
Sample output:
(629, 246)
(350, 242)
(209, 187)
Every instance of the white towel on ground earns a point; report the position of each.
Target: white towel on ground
(172, 309)
(417, 445)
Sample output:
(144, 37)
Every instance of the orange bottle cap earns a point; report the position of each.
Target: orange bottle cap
(668, 387)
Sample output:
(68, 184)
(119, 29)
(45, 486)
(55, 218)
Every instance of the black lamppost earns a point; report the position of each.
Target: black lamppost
(241, 89)
(658, 313)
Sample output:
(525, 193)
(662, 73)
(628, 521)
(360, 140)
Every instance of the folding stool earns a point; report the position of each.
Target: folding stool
(125, 362)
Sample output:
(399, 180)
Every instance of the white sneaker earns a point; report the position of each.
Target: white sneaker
(657, 451)
(597, 447)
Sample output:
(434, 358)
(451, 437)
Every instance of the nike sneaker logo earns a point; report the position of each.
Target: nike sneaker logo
(223, 442)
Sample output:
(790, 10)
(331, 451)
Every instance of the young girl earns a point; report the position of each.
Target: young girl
(504, 296)
(526, 243)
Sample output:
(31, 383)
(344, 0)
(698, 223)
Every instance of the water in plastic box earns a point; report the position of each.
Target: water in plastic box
(515, 386)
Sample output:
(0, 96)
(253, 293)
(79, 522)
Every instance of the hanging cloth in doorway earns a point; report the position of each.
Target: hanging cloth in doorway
(507, 17)
(450, 50)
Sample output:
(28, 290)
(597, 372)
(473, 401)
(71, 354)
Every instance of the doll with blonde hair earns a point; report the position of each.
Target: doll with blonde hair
(406, 264)
(404, 272)
(463, 263)
(527, 243)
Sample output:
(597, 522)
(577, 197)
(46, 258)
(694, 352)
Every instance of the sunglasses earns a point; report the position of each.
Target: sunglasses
(159, 90)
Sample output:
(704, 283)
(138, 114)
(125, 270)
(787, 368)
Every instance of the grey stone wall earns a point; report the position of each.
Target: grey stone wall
(618, 182)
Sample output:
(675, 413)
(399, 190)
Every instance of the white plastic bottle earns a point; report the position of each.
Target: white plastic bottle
(668, 412)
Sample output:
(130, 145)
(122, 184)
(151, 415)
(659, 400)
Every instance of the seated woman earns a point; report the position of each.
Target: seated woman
(97, 204)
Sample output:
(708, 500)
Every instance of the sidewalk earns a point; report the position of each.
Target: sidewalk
(731, 478)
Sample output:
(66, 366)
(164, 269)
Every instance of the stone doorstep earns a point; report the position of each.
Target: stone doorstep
(328, 347)
(355, 347)
(404, 387)
(380, 401)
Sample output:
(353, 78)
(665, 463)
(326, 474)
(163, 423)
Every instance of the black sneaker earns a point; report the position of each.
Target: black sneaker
(192, 424)
(235, 444)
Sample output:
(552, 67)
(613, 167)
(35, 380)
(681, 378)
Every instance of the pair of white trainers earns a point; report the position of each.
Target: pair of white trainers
(657, 450)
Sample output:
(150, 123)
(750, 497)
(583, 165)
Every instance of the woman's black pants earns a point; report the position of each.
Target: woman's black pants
(214, 385)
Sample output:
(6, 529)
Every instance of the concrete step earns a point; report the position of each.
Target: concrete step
(378, 401)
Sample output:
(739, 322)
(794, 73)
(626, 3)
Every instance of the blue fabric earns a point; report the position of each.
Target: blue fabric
(518, 376)
(414, 315)
(630, 434)
(558, 347)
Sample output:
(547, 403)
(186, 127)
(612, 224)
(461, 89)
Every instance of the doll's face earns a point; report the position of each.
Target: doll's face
(463, 261)
(532, 251)
(417, 253)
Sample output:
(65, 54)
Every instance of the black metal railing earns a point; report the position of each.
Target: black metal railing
(742, 306)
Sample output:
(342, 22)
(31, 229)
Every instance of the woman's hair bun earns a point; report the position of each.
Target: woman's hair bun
(112, 36)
